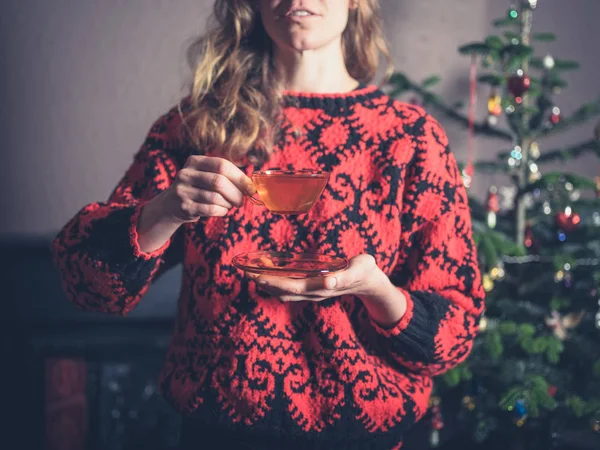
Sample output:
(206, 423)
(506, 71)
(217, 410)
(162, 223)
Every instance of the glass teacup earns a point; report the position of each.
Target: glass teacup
(288, 191)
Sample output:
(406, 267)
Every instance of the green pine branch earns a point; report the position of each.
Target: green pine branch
(402, 84)
(582, 115)
(569, 153)
(578, 181)
(491, 166)
(564, 154)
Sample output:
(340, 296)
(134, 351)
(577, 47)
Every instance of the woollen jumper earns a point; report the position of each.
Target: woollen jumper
(319, 373)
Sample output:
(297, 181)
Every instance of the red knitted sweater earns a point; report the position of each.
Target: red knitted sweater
(242, 360)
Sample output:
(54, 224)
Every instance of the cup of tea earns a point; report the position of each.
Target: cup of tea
(288, 191)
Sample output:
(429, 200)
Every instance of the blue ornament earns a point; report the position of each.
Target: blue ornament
(520, 409)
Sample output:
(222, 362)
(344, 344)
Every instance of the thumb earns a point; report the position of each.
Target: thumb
(358, 266)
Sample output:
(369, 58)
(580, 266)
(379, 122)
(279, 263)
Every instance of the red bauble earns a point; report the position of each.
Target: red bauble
(528, 236)
(437, 424)
(555, 116)
(552, 390)
(493, 204)
(567, 220)
(518, 84)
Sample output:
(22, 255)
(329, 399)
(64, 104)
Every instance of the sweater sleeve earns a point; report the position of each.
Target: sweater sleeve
(437, 269)
(97, 252)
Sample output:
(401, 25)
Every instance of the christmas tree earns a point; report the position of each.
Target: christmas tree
(533, 378)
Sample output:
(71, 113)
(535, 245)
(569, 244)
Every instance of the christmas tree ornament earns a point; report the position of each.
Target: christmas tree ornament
(492, 207)
(437, 423)
(467, 175)
(518, 84)
(566, 279)
(520, 412)
(555, 116)
(567, 220)
(596, 219)
(497, 273)
(507, 196)
(483, 323)
(532, 3)
(575, 195)
(528, 200)
(561, 324)
(494, 103)
(516, 156)
(468, 402)
(488, 283)
(513, 12)
(559, 276)
(548, 62)
(528, 236)
(534, 172)
(596, 425)
(534, 150)
(552, 390)
(492, 121)
(547, 208)
(597, 179)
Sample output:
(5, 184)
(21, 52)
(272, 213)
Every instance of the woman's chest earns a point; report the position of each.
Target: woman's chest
(358, 211)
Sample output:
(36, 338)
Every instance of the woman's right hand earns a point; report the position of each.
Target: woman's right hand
(205, 186)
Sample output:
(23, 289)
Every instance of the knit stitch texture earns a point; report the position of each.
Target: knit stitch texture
(243, 361)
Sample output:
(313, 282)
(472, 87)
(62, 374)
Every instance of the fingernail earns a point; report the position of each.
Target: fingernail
(250, 188)
(331, 282)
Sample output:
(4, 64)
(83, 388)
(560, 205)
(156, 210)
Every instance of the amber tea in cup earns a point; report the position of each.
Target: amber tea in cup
(288, 191)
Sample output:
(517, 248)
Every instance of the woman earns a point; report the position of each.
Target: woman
(344, 361)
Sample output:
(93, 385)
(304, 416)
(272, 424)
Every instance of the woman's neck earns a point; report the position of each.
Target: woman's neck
(319, 71)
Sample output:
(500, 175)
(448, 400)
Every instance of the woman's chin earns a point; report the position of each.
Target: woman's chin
(301, 44)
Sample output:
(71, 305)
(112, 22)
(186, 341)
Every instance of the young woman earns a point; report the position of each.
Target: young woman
(344, 361)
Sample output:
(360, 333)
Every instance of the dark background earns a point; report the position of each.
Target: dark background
(82, 82)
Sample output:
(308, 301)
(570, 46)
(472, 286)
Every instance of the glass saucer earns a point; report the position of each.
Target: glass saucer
(287, 264)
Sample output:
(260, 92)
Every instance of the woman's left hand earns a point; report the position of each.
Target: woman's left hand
(362, 277)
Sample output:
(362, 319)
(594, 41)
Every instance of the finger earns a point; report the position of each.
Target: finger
(202, 196)
(193, 209)
(221, 166)
(276, 291)
(304, 286)
(300, 298)
(360, 268)
(215, 182)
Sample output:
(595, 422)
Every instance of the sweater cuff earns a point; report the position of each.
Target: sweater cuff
(134, 238)
(413, 337)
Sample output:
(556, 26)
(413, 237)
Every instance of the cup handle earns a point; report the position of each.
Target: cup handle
(255, 200)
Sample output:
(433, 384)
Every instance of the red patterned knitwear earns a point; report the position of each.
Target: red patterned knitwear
(323, 373)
